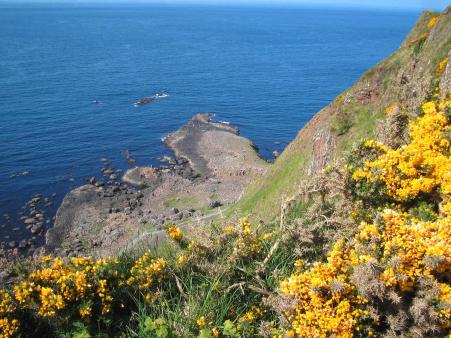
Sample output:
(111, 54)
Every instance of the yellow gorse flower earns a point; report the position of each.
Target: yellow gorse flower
(146, 271)
(8, 328)
(442, 66)
(432, 22)
(175, 233)
(201, 321)
(182, 259)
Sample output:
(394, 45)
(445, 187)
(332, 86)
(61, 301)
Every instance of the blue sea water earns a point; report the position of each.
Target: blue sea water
(266, 70)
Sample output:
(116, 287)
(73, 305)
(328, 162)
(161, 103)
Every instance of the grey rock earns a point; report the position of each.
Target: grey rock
(177, 217)
(108, 172)
(36, 228)
(23, 244)
(30, 221)
(3, 276)
(36, 200)
(133, 203)
(214, 204)
(115, 234)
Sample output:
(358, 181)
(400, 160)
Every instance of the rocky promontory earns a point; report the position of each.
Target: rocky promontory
(212, 165)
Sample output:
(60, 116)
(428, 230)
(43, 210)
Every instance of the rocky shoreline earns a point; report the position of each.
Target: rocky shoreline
(212, 166)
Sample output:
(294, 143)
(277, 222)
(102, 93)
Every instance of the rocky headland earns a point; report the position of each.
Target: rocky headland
(212, 165)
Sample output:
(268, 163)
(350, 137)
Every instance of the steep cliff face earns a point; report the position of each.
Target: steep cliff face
(399, 83)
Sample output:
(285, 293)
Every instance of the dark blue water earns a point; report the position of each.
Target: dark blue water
(266, 70)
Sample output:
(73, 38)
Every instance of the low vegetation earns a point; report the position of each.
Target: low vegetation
(363, 249)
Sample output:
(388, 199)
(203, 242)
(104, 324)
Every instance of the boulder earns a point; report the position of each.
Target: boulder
(214, 204)
(30, 221)
(36, 228)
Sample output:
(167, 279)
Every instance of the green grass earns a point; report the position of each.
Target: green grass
(265, 196)
(181, 201)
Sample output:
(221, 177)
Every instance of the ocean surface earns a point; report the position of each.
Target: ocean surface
(266, 70)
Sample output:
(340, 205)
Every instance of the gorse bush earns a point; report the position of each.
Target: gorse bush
(393, 276)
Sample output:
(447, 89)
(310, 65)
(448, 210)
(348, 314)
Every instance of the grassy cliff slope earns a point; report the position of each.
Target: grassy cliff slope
(404, 77)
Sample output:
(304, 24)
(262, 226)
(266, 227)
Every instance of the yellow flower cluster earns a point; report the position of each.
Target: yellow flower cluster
(432, 22)
(182, 259)
(409, 250)
(418, 167)
(58, 284)
(442, 66)
(419, 248)
(6, 303)
(249, 241)
(8, 327)
(82, 284)
(390, 109)
(146, 271)
(85, 312)
(105, 297)
(175, 233)
(251, 316)
(327, 302)
(201, 321)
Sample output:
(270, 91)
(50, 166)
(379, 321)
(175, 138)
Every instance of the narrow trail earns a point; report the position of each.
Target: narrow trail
(153, 238)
